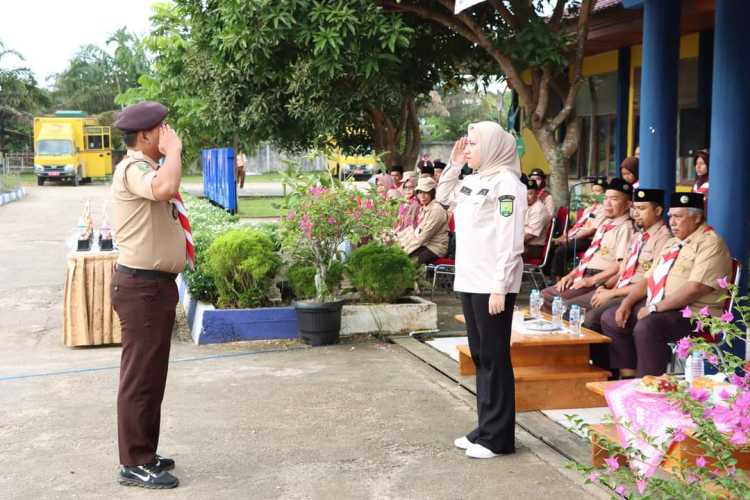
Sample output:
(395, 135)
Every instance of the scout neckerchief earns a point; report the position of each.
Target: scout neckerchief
(580, 222)
(596, 243)
(658, 280)
(185, 223)
(632, 262)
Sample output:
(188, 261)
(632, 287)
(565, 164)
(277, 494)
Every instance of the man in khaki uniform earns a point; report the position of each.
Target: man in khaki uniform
(240, 162)
(536, 223)
(685, 274)
(429, 240)
(608, 248)
(152, 251)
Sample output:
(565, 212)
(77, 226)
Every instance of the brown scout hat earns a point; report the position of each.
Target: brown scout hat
(142, 116)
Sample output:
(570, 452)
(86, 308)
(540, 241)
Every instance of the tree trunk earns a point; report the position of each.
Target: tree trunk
(557, 182)
(399, 145)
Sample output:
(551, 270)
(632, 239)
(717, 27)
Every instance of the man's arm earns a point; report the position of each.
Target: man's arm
(687, 294)
(166, 183)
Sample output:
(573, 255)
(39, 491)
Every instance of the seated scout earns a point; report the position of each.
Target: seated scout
(536, 224)
(608, 247)
(685, 274)
(429, 239)
(545, 196)
(578, 237)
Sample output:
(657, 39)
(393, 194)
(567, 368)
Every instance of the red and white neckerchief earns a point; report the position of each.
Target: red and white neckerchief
(702, 189)
(185, 223)
(632, 263)
(580, 222)
(596, 243)
(658, 280)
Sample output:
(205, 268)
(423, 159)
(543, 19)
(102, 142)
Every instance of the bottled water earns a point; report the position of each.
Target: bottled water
(694, 367)
(535, 304)
(558, 309)
(574, 319)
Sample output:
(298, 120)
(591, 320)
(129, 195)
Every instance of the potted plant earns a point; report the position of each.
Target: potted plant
(324, 217)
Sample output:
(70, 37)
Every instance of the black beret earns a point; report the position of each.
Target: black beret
(426, 167)
(531, 184)
(142, 116)
(686, 200)
(601, 181)
(653, 195)
(438, 164)
(620, 185)
(396, 168)
(539, 172)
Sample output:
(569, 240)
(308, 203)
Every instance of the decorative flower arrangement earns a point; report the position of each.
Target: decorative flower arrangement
(717, 420)
(324, 214)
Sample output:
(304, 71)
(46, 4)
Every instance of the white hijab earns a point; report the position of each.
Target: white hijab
(497, 149)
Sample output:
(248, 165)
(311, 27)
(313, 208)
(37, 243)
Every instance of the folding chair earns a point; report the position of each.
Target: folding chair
(677, 365)
(444, 266)
(534, 266)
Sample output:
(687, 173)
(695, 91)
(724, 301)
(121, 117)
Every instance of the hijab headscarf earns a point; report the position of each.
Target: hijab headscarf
(631, 165)
(702, 179)
(497, 149)
(389, 186)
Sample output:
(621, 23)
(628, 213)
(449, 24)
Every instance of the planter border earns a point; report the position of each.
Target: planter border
(11, 196)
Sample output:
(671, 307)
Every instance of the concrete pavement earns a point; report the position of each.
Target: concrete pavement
(364, 420)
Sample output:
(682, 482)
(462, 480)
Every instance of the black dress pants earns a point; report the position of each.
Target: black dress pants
(146, 308)
(489, 342)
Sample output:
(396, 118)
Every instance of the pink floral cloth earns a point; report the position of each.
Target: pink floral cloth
(634, 412)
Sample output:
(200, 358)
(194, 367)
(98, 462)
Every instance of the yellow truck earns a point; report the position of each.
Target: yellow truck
(71, 146)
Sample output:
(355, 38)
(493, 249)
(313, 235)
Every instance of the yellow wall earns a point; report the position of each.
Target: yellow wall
(598, 64)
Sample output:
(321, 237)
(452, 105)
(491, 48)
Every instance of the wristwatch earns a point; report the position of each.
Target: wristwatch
(652, 308)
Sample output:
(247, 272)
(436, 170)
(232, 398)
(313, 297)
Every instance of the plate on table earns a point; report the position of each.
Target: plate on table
(540, 325)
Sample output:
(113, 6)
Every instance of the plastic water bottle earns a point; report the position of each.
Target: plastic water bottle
(557, 312)
(574, 319)
(694, 367)
(534, 304)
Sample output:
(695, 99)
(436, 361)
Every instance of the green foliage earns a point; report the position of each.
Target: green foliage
(301, 278)
(322, 214)
(243, 264)
(381, 273)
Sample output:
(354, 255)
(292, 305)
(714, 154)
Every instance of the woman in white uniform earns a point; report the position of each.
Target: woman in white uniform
(490, 209)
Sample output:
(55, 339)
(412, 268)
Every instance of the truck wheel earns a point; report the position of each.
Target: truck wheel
(76, 181)
(40, 181)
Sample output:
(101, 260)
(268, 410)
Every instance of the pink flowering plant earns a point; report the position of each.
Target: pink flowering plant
(324, 214)
(720, 419)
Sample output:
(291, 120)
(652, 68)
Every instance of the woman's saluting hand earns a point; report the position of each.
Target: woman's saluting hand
(458, 155)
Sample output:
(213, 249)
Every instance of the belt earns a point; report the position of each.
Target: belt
(147, 274)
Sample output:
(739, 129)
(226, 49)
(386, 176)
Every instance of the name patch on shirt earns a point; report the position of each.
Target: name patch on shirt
(483, 192)
(466, 190)
(506, 205)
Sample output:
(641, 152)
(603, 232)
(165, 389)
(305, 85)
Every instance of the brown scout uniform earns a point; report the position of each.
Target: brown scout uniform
(537, 223)
(431, 232)
(152, 251)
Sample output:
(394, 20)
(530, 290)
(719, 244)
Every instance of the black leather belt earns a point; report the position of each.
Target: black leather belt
(147, 274)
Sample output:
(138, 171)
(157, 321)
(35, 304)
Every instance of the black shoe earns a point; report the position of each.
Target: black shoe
(147, 476)
(163, 463)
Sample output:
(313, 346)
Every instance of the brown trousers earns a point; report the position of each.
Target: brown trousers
(146, 308)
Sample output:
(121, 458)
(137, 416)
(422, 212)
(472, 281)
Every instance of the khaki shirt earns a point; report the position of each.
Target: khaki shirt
(705, 258)
(548, 202)
(537, 223)
(615, 244)
(659, 234)
(148, 232)
(431, 232)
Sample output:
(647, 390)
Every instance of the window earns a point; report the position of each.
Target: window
(596, 107)
(93, 142)
(54, 147)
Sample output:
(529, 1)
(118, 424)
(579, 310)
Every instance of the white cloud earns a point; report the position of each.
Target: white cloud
(49, 32)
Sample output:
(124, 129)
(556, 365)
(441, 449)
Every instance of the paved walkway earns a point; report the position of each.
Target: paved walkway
(354, 421)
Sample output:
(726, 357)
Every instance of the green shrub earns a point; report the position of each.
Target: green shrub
(381, 273)
(243, 264)
(302, 279)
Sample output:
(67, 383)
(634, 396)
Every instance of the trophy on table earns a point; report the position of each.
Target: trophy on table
(85, 229)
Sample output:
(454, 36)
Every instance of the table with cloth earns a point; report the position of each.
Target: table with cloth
(88, 317)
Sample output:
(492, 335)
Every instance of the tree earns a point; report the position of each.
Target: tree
(304, 74)
(519, 38)
(20, 99)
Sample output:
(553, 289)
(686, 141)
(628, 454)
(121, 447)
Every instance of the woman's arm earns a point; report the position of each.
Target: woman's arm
(449, 184)
(509, 216)
(434, 220)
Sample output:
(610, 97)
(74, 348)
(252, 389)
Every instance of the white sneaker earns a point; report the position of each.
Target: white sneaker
(476, 450)
(462, 443)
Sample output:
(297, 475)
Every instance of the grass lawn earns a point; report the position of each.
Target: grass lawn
(259, 207)
(260, 178)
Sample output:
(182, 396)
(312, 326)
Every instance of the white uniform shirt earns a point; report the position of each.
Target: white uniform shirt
(489, 217)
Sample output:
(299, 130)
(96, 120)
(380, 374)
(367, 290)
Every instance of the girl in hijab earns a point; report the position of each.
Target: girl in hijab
(490, 209)
(701, 175)
(629, 171)
(386, 187)
(409, 208)
(428, 240)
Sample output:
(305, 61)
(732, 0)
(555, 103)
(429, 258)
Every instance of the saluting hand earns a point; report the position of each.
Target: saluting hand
(497, 304)
(169, 141)
(458, 156)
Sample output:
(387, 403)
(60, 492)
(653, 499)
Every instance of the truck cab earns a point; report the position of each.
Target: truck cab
(71, 146)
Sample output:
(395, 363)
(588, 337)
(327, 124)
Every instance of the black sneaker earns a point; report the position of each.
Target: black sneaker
(147, 476)
(164, 464)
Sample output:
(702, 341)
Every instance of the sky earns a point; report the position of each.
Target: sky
(49, 32)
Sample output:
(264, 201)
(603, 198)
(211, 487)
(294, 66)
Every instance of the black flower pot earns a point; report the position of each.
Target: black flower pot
(319, 323)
